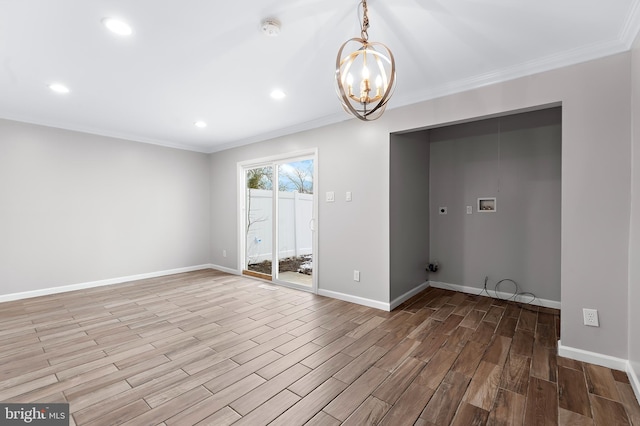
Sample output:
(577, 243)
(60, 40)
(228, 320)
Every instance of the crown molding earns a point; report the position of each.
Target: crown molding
(524, 69)
(99, 132)
(631, 27)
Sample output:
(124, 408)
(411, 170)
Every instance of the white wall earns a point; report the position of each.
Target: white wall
(634, 240)
(77, 208)
(516, 159)
(354, 156)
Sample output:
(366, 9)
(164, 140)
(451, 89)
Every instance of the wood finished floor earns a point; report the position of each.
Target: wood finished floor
(210, 348)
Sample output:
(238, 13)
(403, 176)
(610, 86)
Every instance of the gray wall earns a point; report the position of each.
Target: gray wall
(634, 240)
(596, 148)
(596, 138)
(352, 156)
(515, 159)
(77, 208)
(408, 211)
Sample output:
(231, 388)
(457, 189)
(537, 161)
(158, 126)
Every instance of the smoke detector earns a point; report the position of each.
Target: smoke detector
(271, 27)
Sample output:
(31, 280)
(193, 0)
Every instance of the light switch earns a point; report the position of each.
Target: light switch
(348, 196)
(469, 209)
(331, 196)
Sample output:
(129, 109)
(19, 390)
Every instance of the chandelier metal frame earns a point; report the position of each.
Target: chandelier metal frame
(369, 54)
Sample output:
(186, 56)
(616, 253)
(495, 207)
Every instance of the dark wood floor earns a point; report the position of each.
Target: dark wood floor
(211, 348)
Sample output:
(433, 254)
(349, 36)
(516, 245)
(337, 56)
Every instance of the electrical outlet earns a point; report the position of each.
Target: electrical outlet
(224, 253)
(469, 210)
(590, 317)
(356, 275)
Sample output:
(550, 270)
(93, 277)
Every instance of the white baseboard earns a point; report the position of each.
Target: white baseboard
(474, 290)
(593, 357)
(408, 295)
(605, 361)
(634, 378)
(355, 299)
(100, 283)
(225, 269)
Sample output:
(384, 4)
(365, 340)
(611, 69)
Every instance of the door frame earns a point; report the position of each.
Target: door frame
(240, 211)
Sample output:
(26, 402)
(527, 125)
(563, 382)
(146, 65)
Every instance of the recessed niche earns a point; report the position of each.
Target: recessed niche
(487, 205)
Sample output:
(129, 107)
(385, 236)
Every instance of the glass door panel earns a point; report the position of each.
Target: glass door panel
(295, 211)
(259, 222)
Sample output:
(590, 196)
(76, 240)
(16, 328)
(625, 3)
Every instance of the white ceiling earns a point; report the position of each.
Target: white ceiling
(208, 60)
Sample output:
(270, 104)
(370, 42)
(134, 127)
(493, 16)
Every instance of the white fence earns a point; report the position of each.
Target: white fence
(294, 220)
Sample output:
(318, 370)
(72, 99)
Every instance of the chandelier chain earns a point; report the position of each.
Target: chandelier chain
(365, 21)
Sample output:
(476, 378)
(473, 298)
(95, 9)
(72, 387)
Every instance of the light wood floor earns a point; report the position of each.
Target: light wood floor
(211, 348)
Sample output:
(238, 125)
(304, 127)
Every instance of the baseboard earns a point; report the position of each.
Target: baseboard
(224, 269)
(100, 283)
(408, 295)
(593, 357)
(474, 290)
(355, 299)
(634, 378)
(605, 361)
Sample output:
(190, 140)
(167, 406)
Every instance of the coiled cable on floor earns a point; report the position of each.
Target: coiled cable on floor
(514, 296)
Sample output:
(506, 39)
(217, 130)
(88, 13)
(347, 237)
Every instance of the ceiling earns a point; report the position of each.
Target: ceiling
(208, 59)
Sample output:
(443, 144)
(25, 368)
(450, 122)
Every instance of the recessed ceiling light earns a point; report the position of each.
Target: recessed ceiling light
(278, 94)
(200, 124)
(116, 26)
(59, 88)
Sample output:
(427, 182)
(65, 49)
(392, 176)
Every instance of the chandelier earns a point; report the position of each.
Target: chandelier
(368, 62)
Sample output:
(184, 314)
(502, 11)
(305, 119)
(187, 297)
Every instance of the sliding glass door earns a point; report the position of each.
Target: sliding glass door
(278, 217)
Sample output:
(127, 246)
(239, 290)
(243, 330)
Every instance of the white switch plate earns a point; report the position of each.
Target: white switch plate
(356, 275)
(348, 196)
(469, 209)
(331, 196)
(224, 253)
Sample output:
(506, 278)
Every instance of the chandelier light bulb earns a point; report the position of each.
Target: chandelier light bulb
(349, 84)
(365, 72)
(378, 85)
(350, 79)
